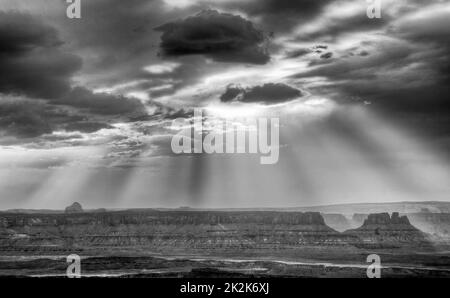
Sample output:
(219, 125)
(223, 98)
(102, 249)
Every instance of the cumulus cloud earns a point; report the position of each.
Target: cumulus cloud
(220, 36)
(269, 93)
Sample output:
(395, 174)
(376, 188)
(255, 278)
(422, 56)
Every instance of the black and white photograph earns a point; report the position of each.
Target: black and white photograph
(208, 140)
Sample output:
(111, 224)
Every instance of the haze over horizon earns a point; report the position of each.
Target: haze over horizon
(86, 105)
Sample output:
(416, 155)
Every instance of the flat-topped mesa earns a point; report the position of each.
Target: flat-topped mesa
(75, 215)
(380, 228)
(160, 230)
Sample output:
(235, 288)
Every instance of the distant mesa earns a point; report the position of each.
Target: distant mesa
(385, 219)
(385, 222)
(74, 208)
(383, 228)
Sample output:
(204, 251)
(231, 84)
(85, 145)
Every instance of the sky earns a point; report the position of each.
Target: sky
(87, 105)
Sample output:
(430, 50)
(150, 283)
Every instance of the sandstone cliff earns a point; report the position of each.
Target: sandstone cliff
(169, 230)
(385, 230)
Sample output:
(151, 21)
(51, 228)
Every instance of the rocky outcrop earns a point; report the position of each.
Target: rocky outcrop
(385, 230)
(74, 208)
(436, 224)
(383, 219)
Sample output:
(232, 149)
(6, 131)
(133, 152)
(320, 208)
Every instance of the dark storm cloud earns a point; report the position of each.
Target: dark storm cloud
(268, 93)
(33, 65)
(32, 118)
(20, 33)
(31, 60)
(114, 42)
(102, 103)
(222, 37)
(23, 118)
